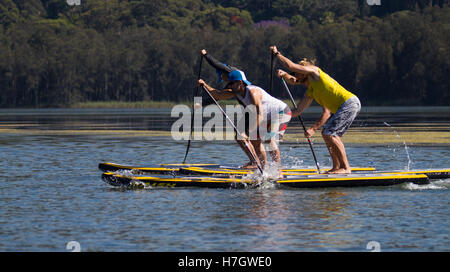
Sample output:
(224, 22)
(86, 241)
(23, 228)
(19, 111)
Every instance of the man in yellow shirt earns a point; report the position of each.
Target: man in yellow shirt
(340, 107)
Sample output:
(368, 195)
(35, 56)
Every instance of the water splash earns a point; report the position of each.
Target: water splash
(408, 166)
(266, 179)
(435, 185)
(134, 184)
(291, 161)
(125, 172)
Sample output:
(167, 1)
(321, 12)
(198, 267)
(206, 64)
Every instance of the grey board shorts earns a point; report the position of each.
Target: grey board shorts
(339, 122)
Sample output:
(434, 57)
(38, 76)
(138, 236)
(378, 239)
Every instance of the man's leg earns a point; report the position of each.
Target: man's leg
(260, 151)
(249, 150)
(334, 158)
(335, 128)
(274, 151)
(275, 155)
(338, 155)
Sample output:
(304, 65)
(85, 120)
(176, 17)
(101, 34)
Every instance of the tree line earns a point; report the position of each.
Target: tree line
(55, 54)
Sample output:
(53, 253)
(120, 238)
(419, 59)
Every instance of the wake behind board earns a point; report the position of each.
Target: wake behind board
(311, 181)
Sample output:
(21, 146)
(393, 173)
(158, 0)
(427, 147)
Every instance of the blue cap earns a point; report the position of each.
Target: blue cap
(238, 75)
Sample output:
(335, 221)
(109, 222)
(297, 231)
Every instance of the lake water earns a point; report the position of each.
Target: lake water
(52, 193)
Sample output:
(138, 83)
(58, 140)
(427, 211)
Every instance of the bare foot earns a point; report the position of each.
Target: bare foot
(249, 165)
(331, 171)
(340, 171)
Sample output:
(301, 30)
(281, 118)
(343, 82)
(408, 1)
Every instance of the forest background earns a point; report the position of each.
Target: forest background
(53, 54)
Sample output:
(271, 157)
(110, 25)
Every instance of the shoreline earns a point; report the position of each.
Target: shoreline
(169, 104)
(369, 136)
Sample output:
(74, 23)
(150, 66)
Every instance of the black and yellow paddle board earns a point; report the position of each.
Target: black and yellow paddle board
(201, 169)
(430, 173)
(164, 168)
(215, 170)
(307, 181)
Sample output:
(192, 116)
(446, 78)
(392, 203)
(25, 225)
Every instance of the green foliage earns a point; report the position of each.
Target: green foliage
(54, 54)
(9, 13)
(223, 19)
(55, 8)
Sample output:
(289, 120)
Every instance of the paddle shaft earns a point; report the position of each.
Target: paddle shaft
(235, 129)
(301, 121)
(192, 116)
(272, 62)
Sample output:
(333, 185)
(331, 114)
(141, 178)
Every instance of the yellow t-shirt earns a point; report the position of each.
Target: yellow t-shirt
(327, 92)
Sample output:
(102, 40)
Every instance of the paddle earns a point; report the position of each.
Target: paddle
(303, 124)
(193, 110)
(272, 64)
(235, 130)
